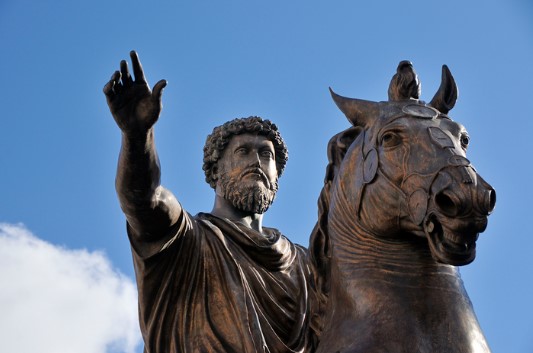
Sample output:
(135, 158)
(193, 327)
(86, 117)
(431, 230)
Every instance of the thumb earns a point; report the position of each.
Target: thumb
(158, 89)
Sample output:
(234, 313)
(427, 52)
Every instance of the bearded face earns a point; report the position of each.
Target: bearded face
(247, 173)
(254, 195)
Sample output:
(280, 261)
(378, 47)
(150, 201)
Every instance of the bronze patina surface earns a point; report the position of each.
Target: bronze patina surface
(218, 281)
(401, 207)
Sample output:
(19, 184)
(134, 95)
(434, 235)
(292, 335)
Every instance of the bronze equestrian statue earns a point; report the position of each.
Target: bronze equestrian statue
(218, 281)
(401, 207)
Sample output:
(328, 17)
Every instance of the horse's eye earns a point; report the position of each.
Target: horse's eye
(465, 140)
(390, 139)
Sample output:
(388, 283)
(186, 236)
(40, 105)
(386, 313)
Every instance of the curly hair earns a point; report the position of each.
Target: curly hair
(221, 135)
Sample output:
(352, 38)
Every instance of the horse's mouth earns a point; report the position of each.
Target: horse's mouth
(450, 246)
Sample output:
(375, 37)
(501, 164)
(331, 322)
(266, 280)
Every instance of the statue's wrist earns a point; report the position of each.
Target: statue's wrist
(138, 136)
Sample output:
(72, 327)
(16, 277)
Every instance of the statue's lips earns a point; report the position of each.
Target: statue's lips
(256, 174)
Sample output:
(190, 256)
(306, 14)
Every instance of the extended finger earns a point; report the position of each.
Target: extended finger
(126, 77)
(109, 88)
(158, 89)
(137, 67)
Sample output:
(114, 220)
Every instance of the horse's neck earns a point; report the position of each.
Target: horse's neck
(400, 259)
(401, 263)
(389, 295)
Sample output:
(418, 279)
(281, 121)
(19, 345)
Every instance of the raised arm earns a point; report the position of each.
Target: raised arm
(150, 209)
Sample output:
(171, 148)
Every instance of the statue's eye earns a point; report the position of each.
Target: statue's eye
(267, 154)
(390, 139)
(241, 151)
(465, 140)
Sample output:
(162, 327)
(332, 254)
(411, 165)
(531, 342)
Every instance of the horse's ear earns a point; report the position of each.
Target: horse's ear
(359, 112)
(446, 96)
(404, 84)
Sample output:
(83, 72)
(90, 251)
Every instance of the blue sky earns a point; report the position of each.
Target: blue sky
(223, 60)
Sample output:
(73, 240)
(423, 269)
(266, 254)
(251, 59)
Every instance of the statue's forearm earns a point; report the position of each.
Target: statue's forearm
(147, 205)
(138, 174)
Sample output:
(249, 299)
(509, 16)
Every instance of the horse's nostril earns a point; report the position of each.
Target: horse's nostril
(446, 204)
(490, 200)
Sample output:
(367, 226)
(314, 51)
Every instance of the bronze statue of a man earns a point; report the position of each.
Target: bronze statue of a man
(219, 281)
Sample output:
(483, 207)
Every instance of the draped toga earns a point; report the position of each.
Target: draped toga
(212, 285)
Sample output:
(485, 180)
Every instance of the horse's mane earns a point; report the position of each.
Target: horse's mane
(319, 243)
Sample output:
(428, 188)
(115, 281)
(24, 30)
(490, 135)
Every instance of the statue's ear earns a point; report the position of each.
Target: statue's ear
(214, 176)
(446, 96)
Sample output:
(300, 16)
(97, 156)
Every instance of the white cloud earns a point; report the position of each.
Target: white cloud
(57, 300)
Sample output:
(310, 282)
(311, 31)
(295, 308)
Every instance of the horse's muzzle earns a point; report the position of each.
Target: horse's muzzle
(461, 192)
(459, 205)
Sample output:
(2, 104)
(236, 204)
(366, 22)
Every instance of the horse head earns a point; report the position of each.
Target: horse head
(401, 169)
(400, 208)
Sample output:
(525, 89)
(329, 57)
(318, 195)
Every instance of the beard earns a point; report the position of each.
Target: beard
(248, 197)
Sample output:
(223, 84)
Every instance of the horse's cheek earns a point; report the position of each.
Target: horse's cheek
(380, 219)
(391, 164)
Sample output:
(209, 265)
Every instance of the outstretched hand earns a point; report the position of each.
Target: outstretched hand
(133, 105)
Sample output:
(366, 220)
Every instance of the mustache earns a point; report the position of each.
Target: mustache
(255, 170)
